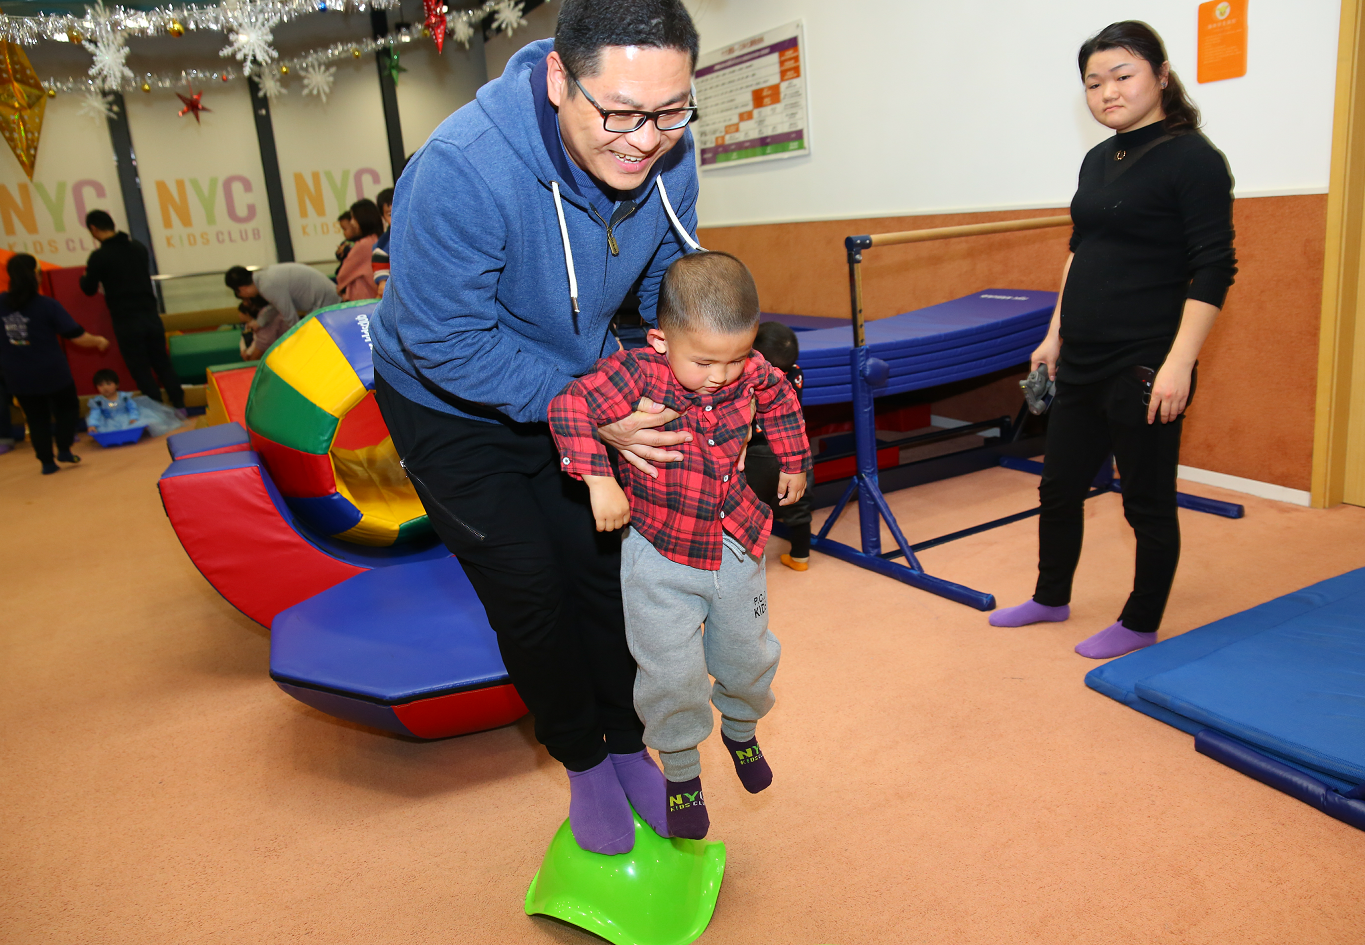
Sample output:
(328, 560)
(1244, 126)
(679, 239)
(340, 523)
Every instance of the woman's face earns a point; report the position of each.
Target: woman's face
(1123, 91)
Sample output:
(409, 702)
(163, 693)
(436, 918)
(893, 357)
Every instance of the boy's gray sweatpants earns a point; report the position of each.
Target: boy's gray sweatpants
(666, 604)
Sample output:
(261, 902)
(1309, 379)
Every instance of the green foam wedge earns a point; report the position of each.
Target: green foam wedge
(663, 892)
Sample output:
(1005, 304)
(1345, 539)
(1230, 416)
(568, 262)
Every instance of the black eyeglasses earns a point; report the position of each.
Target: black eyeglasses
(624, 122)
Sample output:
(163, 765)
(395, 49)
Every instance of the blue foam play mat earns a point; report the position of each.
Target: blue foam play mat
(1277, 692)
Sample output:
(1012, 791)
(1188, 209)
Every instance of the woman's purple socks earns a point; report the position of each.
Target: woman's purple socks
(1030, 611)
(752, 769)
(645, 788)
(599, 813)
(687, 810)
(1114, 640)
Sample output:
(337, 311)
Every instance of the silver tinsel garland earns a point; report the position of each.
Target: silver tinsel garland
(62, 28)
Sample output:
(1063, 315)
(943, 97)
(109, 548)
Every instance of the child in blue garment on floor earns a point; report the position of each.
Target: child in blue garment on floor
(693, 555)
(111, 409)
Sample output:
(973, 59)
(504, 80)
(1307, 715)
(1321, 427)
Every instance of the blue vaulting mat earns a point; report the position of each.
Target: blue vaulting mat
(1281, 684)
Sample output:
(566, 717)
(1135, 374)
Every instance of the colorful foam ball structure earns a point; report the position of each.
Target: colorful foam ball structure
(313, 420)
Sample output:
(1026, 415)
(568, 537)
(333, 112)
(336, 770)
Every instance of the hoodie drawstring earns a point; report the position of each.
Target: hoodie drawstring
(568, 250)
(568, 253)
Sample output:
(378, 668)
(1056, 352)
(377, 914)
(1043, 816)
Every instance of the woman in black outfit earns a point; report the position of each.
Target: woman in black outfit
(1151, 263)
(34, 364)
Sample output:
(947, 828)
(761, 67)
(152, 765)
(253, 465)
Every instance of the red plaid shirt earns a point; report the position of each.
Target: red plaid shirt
(683, 512)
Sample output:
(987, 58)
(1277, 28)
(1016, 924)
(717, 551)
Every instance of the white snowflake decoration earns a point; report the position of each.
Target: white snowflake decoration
(507, 16)
(461, 30)
(109, 70)
(270, 86)
(97, 105)
(249, 35)
(317, 79)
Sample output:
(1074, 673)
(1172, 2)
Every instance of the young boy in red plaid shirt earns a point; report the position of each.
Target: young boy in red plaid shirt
(694, 552)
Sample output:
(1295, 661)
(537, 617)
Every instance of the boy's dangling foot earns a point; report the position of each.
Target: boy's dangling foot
(796, 564)
(687, 810)
(599, 813)
(645, 788)
(750, 765)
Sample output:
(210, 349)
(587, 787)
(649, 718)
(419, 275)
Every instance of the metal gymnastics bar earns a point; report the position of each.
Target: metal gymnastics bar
(869, 374)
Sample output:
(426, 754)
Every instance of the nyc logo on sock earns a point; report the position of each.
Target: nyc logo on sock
(685, 800)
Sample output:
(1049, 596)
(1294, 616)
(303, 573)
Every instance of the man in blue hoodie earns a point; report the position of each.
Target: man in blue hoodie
(518, 229)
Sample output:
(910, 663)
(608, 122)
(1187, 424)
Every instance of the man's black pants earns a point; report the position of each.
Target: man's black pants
(144, 351)
(1087, 422)
(50, 416)
(550, 583)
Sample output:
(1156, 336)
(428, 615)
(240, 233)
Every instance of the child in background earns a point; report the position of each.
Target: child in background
(777, 343)
(112, 409)
(694, 552)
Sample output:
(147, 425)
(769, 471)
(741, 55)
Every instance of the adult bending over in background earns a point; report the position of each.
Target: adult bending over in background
(35, 365)
(1151, 263)
(123, 267)
(289, 289)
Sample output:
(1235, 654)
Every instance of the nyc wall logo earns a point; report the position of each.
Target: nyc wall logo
(317, 214)
(208, 211)
(47, 218)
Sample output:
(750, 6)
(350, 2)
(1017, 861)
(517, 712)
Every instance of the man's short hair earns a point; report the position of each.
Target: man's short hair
(105, 374)
(100, 220)
(385, 198)
(236, 277)
(585, 26)
(778, 345)
(708, 292)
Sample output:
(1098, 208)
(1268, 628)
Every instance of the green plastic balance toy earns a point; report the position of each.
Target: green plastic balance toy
(660, 893)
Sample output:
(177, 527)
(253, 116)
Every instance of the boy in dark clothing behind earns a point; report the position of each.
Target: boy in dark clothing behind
(777, 343)
(122, 266)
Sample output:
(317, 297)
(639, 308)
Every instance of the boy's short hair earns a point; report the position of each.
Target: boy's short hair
(708, 292)
(343, 216)
(236, 277)
(100, 220)
(384, 199)
(106, 375)
(778, 345)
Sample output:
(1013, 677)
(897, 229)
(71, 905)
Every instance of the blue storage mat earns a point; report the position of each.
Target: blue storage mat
(1275, 691)
(967, 337)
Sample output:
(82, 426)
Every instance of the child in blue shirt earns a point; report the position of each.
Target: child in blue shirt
(112, 409)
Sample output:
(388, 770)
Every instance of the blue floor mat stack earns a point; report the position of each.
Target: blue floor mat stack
(1277, 692)
(967, 337)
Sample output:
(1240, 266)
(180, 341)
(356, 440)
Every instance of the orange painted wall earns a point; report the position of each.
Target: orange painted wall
(1253, 415)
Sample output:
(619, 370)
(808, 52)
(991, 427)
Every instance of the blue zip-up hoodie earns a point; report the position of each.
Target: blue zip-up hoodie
(477, 319)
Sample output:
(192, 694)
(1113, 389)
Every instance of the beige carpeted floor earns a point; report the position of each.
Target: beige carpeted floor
(938, 780)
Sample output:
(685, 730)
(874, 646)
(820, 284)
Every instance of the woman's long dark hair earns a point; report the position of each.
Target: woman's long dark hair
(1141, 40)
(23, 280)
(365, 213)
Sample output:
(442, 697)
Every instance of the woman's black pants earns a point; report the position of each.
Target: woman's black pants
(50, 416)
(551, 585)
(1088, 422)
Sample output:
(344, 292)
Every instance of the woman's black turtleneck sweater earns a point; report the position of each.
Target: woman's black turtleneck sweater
(1151, 229)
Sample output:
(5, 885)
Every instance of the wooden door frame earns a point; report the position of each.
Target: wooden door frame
(1343, 294)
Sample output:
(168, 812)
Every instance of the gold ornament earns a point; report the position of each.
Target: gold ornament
(355, 53)
(22, 104)
(75, 36)
(146, 86)
(51, 93)
(176, 29)
(284, 70)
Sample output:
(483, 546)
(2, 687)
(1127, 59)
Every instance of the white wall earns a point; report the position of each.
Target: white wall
(540, 24)
(921, 107)
(435, 85)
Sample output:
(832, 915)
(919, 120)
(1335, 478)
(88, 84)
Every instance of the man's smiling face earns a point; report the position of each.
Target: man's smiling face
(629, 78)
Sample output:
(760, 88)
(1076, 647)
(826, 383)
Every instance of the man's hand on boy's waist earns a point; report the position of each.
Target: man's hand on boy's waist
(638, 441)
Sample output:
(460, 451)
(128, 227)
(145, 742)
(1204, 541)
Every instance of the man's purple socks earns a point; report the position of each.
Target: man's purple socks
(599, 813)
(687, 810)
(1114, 640)
(752, 769)
(645, 788)
(1030, 611)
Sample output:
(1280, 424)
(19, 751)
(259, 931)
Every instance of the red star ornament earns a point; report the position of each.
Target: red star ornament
(192, 105)
(435, 22)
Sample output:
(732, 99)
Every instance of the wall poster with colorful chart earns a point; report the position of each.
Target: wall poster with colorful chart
(751, 98)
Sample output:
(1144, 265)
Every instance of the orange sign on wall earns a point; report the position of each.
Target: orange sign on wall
(1222, 40)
